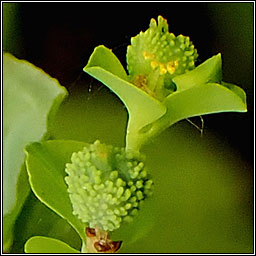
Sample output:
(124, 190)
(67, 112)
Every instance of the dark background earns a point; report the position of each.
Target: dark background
(59, 38)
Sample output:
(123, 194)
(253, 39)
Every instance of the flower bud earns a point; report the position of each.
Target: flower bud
(156, 56)
(106, 185)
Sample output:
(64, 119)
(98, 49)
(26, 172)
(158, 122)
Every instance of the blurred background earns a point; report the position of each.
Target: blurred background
(206, 199)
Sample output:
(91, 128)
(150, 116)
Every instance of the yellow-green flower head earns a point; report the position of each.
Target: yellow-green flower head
(156, 56)
(106, 185)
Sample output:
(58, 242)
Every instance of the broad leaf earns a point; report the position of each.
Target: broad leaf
(198, 100)
(204, 99)
(30, 100)
(46, 168)
(40, 244)
(143, 109)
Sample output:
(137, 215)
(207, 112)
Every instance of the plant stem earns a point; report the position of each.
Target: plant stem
(136, 139)
(98, 241)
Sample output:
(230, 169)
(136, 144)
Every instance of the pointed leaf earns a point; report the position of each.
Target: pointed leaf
(209, 71)
(46, 168)
(204, 99)
(143, 109)
(106, 59)
(237, 90)
(40, 244)
(30, 100)
(195, 101)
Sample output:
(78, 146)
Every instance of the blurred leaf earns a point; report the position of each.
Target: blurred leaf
(12, 31)
(30, 100)
(40, 244)
(46, 168)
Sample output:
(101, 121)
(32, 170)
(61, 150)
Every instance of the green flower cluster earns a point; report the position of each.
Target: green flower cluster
(156, 56)
(107, 185)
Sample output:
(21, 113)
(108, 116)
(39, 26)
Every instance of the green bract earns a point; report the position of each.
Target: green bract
(106, 185)
(196, 92)
(156, 56)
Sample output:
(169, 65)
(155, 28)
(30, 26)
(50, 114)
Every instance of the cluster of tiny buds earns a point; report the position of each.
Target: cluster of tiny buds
(107, 185)
(156, 51)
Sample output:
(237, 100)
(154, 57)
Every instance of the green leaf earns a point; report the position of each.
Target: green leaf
(40, 244)
(143, 109)
(46, 168)
(204, 99)
(237, 90)
(198, 100)
(199, 92)
(209, 71)
(104, 58)
(30, 100)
